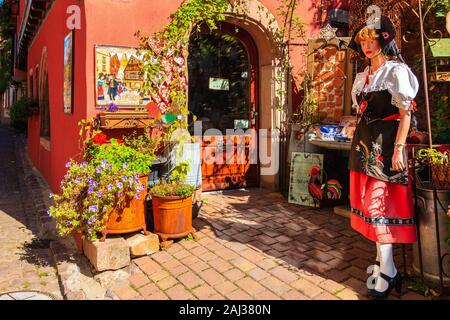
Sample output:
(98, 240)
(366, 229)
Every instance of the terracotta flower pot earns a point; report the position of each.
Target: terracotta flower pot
(172, 216)
(130, 217)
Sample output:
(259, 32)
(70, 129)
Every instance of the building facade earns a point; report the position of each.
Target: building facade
(45, 63)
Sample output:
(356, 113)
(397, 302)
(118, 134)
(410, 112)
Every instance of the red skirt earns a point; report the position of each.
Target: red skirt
(381, 211)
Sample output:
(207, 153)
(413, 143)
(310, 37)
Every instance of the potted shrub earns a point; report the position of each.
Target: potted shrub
(172, 205)
(105, 193)
(438, 163)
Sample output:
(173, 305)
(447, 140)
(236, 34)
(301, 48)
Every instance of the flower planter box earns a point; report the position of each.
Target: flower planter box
(129, 218)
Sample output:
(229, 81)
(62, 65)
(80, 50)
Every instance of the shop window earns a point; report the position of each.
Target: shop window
(219, 70)
(44, 105)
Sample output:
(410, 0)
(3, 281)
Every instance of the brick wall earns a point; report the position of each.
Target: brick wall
(329, 83)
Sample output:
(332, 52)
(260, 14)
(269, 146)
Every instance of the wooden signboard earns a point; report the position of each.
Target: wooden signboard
(301, 165)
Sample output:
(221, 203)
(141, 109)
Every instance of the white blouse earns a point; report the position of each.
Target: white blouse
(394, 76)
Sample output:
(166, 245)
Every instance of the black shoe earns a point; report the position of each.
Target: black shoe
(375, 263)
(395, 282)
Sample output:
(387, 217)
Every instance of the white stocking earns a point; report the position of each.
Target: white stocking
(376, 269)
(387, 266)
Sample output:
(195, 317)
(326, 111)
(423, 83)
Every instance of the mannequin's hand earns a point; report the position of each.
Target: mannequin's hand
(397, 160)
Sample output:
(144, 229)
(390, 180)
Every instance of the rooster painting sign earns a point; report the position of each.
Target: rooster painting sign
(306, 183)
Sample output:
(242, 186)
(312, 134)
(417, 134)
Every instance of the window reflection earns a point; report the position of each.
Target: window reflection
(219, 84)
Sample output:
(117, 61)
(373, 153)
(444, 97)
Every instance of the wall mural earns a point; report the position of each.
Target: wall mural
(118, 76)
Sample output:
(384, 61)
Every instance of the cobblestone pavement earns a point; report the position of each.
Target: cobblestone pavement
(254, 245)
(25, 260)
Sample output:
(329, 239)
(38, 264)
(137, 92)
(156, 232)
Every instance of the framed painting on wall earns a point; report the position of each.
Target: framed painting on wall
(119, 77)
(306, 169)
(68, 72)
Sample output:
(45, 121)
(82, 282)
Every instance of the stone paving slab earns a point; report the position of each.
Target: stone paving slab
(26, 295)
(252, 244)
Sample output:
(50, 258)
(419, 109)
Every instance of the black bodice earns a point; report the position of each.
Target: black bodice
(374, 138)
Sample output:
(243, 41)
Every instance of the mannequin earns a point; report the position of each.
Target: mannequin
(380, 192)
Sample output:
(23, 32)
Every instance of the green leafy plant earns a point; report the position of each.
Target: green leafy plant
(21, 110)
(438, 160)
(175, 184)
(108, 177)
(6, 45)
(440, 118)
(172, 189)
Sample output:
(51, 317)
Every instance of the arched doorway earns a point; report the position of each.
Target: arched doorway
(223, 94)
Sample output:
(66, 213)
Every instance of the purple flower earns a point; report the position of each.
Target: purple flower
(49, 213)
(90, 231)
(110, 187)
(84, 164)
(112, 107)
(90, 190)
(50, 195)
(93, 209)
(68, 164)
(125, 165)
(138, 195)
(77, 180)
(120, 185)
(136, 176)
(99, 170)
(103, 163)
(120, 194)
(89, 222)
(104, 209)
(110, 168)
(69, 224)
(95, 184)
(99, 194)
(124, 178)
(142, 186)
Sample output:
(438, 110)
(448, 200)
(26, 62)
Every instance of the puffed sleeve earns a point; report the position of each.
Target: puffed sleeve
(403, 86)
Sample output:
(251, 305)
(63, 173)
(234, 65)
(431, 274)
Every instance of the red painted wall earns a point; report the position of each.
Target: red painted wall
(104, 22)
(63, 128)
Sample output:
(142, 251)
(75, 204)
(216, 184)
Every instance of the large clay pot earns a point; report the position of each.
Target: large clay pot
(428, 237)
(130, 217)
(172, 216)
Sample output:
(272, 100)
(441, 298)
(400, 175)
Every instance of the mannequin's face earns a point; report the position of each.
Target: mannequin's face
(370, 47)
